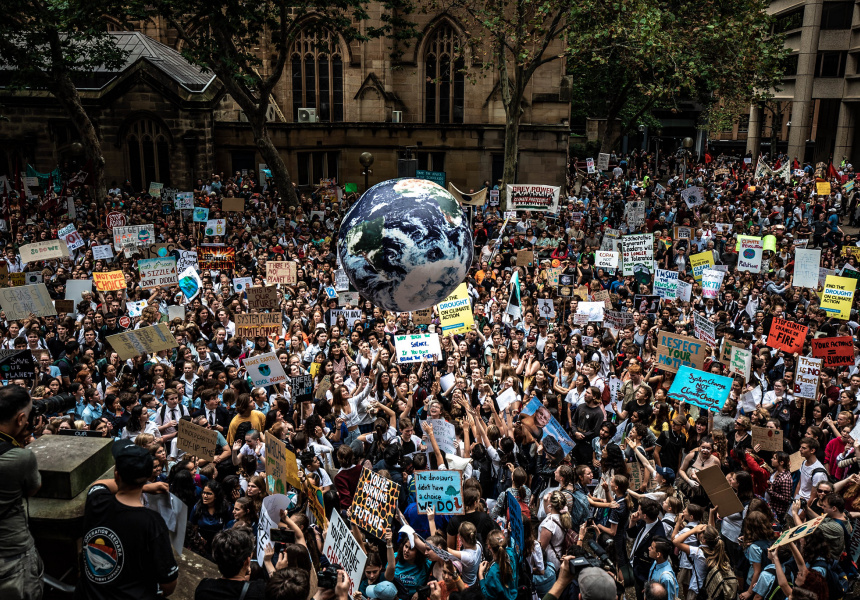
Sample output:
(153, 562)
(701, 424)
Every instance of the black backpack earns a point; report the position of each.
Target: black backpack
(830, 477)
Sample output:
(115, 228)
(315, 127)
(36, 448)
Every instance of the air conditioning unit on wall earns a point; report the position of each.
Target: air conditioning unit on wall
(307, 115)
(396, 116)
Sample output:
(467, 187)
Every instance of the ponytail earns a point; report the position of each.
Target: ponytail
(496, 544)
(715, 550)
(558, 502)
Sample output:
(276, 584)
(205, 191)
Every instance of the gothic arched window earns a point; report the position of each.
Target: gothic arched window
(444, 79)
(317, 75)
(148, 154)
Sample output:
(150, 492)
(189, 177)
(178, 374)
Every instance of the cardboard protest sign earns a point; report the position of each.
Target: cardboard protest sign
(341, 548)
(720, 491)
(197, 441)
(44, 251)
(705, 390)
(262, 298)
(217, 257)
(417, 347)
(64, 306)
(133, 235)
(795, 462)
(786, 335)
(17, 364)
(769, 439)
(749, 257)
(834, 351)
(806, 377)
(533, 197)
(19, 302)
(711, 282)
(281, 272)
(258, 324)
(740, 362)
(838, 296)
(637, 250)
(455, 311)
(525, 258)
(156, 272)
(822, 188)
(675, 351)
(798, 532)
(422, 317)
(302, 388)
(806, 264)
(145, 340)
(374, 503)
(102, 252)
(666, 284)
(233, 204)
(265, 369)
(109, 281)
(701, 261)
(276, 464)
(441, 489)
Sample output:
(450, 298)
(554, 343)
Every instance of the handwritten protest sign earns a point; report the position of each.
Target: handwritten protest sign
(711, 282)
(280, 272)
(262, 297)
(374, 503)
(133, 235)
(666, 284)
(834, 351)
(276, 464)
(265, 369)
(302, 388)
(838, 296)
(155, 272)
(446, 435)
(798, 532)
(770, 440)
(416, 347)
(807, 376)
(216, 227)
(685, 291)
(258, 324)
(617, 320)
(441, 489)
(19, 302)
(270, 516)
(740, 361)
(197, 441)
(102, 252)
(675, 351)
(533, 197)
(110, 281)
(455, 311)
(693, 196)
(606, 259)
(749, 257)
(135, 342)
(44, 251)
(200, 214)
(341, 548)
(806, 264)
(705, 330)
(705, 390)
(637, 250)
(17, 364)
(786, 335)
(71, 236)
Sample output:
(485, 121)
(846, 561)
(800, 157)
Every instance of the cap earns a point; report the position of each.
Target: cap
(666, 473)
(596, 584)
(384, 590)
(132, 462)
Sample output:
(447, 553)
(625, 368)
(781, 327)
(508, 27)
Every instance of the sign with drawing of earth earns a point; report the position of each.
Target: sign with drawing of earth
(265, 369)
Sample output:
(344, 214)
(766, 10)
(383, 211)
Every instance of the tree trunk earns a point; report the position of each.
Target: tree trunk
(274, 162)
(64, 90)
(512, 140)
(611, 135)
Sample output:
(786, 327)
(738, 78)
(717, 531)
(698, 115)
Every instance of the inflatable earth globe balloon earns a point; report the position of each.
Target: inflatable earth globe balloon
(406, 244)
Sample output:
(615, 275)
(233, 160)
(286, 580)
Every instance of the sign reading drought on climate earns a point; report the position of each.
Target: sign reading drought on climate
(455, 312)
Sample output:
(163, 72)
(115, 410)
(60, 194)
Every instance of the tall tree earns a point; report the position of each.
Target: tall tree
(225, 37)
(46, 44)
(517, 38)
(717, 52)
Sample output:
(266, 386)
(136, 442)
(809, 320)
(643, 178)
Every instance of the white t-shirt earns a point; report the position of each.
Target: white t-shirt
(471, 560)
(807, 481)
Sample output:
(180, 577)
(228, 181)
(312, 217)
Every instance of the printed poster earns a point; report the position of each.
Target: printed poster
(701, 261)
(215, 257)
(838, 296)
(455, 311)
(533, 197)
(541, 424)
(265, 369)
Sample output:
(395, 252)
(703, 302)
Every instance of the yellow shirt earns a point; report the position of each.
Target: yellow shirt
(257, 420)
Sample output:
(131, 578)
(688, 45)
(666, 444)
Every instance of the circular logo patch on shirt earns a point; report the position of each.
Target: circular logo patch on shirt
(103, 555)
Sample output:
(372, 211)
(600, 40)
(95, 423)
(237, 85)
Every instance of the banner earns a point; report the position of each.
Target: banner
(71, 236)
(749, 257)
(806, 267)
(675, 351)
(374, 503)
(258, 324)
(215, 258)
(834, 351)
(701, 261)
(604, 259)
(341, 548)
(265, 369)
(109, 281)
(197, 441)
(666, 284)
(441, 489)
(417, 347)
(133, 235)
(19, 302)
(280, 272)
(786, 335)
(838, 296)
(705, 390)
(711, 282)
(146, 340)
(705, 330)
(455, 312)
(17, 364)
(533, 197)
(806, 377)
(44, 251)
(190, 283)
(155, 272)
(637, 250)
(740, 362)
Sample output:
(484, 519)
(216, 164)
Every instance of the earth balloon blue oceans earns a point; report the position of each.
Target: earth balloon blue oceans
(406, 244)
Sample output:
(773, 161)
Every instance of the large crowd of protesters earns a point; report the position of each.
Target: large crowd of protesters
(623, 512)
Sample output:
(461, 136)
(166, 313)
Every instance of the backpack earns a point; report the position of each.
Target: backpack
(525, 583)
(719, 586)
(830, 477)
(837, 582)
(571, 537)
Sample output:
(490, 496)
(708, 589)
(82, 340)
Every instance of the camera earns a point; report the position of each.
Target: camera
(60, 403)
(327, 577)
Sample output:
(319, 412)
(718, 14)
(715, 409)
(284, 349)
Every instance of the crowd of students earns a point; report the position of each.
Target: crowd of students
(623, 509)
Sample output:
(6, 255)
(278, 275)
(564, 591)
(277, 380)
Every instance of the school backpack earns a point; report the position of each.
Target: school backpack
(719, 586)
(838, 584)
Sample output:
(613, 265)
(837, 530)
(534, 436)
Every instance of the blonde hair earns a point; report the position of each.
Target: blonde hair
(558, 502)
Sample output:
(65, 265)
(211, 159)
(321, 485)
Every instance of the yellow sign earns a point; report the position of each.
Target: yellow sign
(292, 474)
(110, 281)
(838, 295)
(823, 188)
(701, 261)
(455, 312)
(770, 243)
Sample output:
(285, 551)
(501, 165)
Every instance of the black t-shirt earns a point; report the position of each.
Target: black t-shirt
(227, 589)
(671, 449)
(483, 522)
(126, 550)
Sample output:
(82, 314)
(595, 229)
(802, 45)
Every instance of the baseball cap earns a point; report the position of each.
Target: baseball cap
(666, 473)
(596, 584)
(384, 590)
(132, 462)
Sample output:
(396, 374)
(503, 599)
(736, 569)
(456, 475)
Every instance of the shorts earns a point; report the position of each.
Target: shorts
(21, 576)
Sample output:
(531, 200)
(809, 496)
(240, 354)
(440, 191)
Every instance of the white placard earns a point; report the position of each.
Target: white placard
(265, 369)
(546, 308)
(593, 310)
(637, 250)
(666, 284)
(187, 258)
(711, 282)
(506, 398)
(341, 548)
(240, 284)
(685, 291)
(446, 435)
(750, 253)
(605, 259)
(416, 347)
(103, 252)
(270, 516)
(135, 308)
(693, 196)
(806, 267)
(71, 236)
(806, 378)
(216, 227)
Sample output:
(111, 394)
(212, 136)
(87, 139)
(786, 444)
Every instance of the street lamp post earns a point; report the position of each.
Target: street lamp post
(687, 143)
(366, 159)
